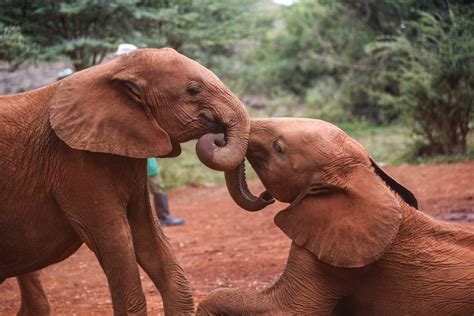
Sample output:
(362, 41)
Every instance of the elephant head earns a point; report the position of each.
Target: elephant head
(144, 103)
(342, 209)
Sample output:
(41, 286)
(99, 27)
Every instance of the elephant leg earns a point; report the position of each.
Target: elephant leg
(156, 257)
(33, 297)
(306, 287)
(106, 232)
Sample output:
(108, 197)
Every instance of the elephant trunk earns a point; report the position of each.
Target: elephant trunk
(227, 154)
(240, 193)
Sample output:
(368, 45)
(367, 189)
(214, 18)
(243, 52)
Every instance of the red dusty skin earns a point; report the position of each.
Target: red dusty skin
(221, 155)
(206, 146)
(224, 155)
(240, 193)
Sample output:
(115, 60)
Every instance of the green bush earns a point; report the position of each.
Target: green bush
(284, 104)
(435, 62)
(14, 47)
(322, 102)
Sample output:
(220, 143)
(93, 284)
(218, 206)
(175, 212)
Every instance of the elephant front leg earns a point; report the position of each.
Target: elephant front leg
(227, 301)
(106, 232)
(156, 257)
(33, 297)
(306, 287)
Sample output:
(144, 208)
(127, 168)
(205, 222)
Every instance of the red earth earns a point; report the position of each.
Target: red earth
(224, 246)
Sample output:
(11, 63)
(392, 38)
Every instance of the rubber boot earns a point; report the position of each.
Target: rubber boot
(163, 212)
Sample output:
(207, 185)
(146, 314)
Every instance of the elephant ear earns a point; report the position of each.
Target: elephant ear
(349, 225)
(404, 193)
(102, 110)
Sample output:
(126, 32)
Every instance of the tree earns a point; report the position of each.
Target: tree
(84, 31)
(14, 47)
(212, 32)
(439, 86)
(435, 71)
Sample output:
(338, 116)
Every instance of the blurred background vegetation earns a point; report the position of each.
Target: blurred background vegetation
(397, 75)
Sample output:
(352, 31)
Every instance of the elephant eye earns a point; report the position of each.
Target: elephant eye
(193, 88)
(278, 147)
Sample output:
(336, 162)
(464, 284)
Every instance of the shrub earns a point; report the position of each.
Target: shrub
(435, 61)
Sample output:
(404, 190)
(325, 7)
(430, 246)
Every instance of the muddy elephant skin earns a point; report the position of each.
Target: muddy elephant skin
(360, 246)
(73, 170)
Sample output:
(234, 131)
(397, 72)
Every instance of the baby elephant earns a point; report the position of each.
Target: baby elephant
(360, 246)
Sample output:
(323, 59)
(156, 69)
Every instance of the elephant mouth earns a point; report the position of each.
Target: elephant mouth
(200, 126)
(215, 130)
(258, 163)
(211, 124)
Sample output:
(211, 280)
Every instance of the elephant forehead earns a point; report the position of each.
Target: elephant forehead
(288, 126)
(306, 135)
(167, 61)
(194, 69)
(309, 136)
(313, 132)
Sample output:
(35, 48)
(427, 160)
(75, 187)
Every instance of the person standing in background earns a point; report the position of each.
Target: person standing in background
(158, 195)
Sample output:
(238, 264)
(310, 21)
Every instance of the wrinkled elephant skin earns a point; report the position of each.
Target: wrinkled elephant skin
(73, 170)
(360, 246)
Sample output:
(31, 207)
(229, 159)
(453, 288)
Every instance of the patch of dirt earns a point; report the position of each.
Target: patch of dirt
(224, 246)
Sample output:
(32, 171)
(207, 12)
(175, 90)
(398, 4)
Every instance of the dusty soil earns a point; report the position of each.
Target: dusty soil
(224, 246)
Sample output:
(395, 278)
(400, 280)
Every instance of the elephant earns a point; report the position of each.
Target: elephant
(73, 170)
(359, 244)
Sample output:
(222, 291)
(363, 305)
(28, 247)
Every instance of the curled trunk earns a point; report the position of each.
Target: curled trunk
(226, 154)
(240, 193)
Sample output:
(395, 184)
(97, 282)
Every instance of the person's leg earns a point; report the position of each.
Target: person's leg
(160, 202)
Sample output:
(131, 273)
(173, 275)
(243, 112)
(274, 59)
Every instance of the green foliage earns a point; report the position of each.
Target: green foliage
(321, 102)
(385, 61)
(387, 144)
(315, 51)
(86, 30)
(282, 104)
(212, 32)
(393, 145)
(312, 44)
(14, 47)
(433, 68)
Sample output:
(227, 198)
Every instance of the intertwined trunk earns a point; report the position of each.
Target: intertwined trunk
(226, 154)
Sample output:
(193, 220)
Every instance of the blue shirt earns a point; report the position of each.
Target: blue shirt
(152, 168)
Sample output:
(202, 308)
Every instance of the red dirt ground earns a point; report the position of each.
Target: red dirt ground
(224, 246)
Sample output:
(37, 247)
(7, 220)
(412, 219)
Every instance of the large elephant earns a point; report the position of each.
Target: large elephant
(73, 170)
(360, 246)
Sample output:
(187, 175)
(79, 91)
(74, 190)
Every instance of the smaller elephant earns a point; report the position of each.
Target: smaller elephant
(360, 246)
